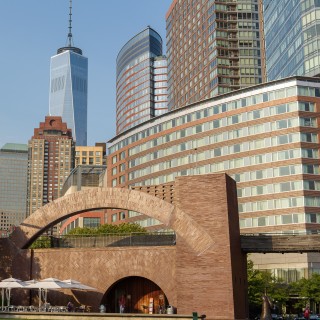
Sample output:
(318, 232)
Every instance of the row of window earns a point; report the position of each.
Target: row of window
(238, 177)
(223, 122)
(230, 135)
(279, 220)
(214, 109)
(196, 156)
(283, 203)
(278, 188)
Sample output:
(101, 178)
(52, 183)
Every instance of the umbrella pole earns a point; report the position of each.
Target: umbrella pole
(2, 298)
(75, 298)
(39, 299)
(8, 296)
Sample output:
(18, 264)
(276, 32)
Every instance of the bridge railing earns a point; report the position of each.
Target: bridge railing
(280, 243)
(107, 240)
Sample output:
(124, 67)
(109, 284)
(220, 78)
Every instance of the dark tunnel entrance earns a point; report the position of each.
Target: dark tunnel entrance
(137, 294)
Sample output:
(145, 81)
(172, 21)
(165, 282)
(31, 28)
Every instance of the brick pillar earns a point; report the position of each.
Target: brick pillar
(213, 282)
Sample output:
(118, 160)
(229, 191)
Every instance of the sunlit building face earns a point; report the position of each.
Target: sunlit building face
(141, 80)
(213, 47)
(69, 92)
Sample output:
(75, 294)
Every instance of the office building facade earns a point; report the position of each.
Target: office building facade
(90, 155)
(51, 159)
(292, 38)
(265, 137)
(141, 80)
(213, 47)
(13, 186)
(68, 95)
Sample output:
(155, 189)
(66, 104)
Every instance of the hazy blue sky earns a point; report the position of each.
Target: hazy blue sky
(31, 31)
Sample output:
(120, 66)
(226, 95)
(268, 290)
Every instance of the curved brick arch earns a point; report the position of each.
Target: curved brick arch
(171, 216)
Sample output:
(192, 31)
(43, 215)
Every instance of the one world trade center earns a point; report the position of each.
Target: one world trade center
(69, 88)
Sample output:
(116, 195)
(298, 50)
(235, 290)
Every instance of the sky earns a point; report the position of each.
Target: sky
(31, 31)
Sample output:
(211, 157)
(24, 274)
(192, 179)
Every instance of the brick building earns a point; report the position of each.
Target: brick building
(51, 159)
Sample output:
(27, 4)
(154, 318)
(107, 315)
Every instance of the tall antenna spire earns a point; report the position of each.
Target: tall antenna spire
(69, 45)
(70, 24)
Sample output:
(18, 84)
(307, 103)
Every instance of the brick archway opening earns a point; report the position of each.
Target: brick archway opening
(137, 293)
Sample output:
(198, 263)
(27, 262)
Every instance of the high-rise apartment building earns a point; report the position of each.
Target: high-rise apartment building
(69, 88)
(266, 137)
(13, 185)
(292, 38)
(51, 159)
(213, 47)
(141, 80)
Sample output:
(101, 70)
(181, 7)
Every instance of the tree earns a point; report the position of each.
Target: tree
(41, 242)
(307, 290)
(260, 282)
(108, 228)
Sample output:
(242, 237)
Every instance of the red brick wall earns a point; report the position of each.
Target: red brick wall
(204, 272)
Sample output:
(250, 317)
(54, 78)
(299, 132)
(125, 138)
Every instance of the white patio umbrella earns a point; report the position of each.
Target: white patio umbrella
(75, 284)
(45, 285)
(7, 285)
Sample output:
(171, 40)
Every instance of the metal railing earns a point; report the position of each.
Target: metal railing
(107, 240)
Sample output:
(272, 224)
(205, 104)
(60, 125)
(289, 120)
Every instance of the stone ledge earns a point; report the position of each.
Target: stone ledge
(90, 316)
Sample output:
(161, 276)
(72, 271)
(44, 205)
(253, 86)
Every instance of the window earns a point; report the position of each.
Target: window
(91, 222)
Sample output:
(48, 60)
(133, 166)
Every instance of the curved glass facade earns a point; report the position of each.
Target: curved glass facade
(292, 38)
(69, 92)
(141, 80)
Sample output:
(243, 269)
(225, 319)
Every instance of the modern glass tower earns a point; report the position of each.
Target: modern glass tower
(69, 88)
(13, 185)
(292, 38)
(213, 47)
(141, 80)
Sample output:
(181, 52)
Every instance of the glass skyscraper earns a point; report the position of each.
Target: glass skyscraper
(292, 38)
(69, 88)
(213, 47)
(141, 80)
(69, 91)
(13, 185)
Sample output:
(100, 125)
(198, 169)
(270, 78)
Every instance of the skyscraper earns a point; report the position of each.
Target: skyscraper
(69, 87)
(141, 80)
(13, 185)
(51, 159)
(213, 47)
(292, 38)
